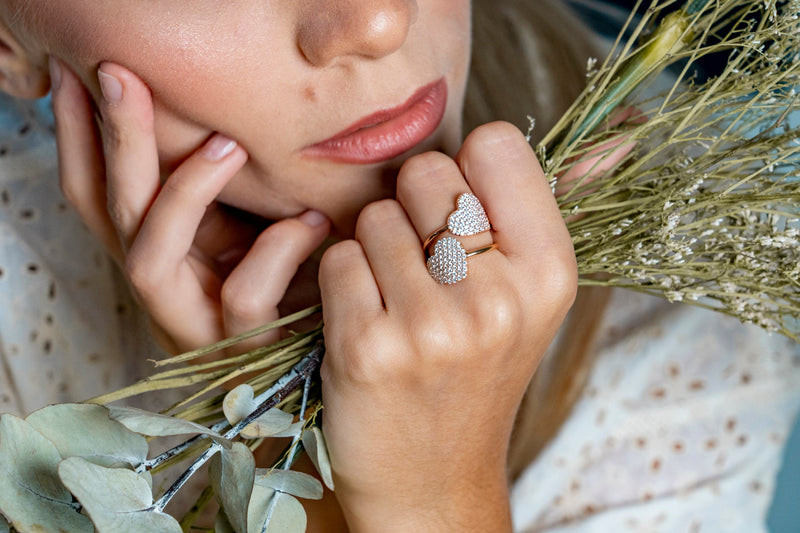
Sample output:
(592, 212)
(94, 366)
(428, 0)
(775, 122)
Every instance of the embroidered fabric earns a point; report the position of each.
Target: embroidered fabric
(680, 429)
(68, 329)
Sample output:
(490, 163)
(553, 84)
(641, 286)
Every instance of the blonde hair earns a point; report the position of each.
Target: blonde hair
(529, 58)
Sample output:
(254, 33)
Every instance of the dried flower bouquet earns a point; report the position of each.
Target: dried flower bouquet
(704, 210)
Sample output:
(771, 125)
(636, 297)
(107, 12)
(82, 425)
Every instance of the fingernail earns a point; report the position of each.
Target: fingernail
(55, 74)
(217, 147)
(312, 218)
(111, 87)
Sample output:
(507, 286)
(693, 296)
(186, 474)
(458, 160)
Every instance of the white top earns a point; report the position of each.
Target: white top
(681, 427)
(65, 323)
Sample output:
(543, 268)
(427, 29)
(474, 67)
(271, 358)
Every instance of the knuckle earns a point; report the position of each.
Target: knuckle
(360, 359)
(499, 317)
(378, 215)
(441, 340)
(115, 137)
(558, 282)
(140, 275)
(424, 171)
(116, 211)
(434, 335)
(241, 302)
(120, 126)
(339, 257)
(494, 133)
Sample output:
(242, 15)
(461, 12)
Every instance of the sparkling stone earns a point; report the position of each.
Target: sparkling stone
(448, 264)
(469, 218)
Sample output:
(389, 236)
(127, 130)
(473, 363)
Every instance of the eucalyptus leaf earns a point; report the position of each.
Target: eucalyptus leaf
(317, 450)
(31, 495)
(85, 430)
(157, 425)
(5, 527)
(291, 431)
(291, 482)
(238, 403)
(284, 515)
(116, 499)
(232, 473)
(271, 424)
(221, 523)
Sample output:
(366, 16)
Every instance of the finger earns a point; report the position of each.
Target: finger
(251, 294)
(130, 149)
(427, 187)
(347, 286)
(159, 264)
(175, 215)
(502, 170)
(80, 159)
(394, 253)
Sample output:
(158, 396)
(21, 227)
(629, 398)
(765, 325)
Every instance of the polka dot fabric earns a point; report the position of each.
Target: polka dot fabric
(680, 428)
(66, 323)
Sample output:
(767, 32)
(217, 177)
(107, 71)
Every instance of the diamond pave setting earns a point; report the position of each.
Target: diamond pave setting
(448, 264)
(469, 218)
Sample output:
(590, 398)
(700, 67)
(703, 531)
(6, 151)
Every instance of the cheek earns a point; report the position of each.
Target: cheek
(176, 138)
(204, 64)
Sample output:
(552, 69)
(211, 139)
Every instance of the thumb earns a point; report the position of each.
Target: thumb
(252, 292)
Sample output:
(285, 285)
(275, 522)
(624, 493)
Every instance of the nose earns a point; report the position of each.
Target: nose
(333, 29)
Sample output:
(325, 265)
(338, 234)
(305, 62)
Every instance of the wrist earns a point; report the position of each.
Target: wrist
(469, 504)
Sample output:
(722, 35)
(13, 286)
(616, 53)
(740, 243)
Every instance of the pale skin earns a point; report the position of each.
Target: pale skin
(204, 106)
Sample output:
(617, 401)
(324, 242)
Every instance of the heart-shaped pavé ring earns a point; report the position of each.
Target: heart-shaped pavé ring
(448, 263)
(469, 218)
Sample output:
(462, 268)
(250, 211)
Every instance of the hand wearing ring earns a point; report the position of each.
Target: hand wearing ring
(448, 263)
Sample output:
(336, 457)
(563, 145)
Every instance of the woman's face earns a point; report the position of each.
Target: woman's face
(300, 84)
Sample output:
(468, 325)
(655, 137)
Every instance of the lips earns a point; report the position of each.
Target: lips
(387, 133)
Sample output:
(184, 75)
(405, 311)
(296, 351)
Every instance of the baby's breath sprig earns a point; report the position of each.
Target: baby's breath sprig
(706, 208)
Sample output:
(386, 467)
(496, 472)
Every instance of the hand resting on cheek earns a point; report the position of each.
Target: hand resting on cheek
(202, 272)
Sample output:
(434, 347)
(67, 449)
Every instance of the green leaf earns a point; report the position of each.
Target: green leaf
(284, 515)
(116, 499)
(156, 425)
(240, 402)
(5, 527)
(232, 473)
(291, 482)
(84, 430)
(317, 450)
(31, 495)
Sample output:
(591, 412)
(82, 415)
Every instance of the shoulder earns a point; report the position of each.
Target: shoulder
(684, 418)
